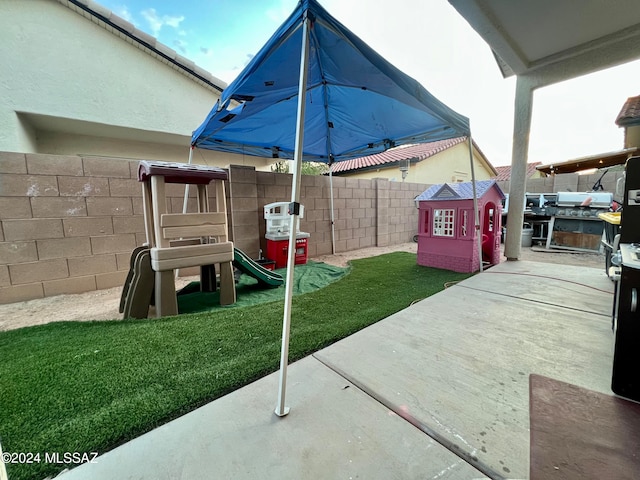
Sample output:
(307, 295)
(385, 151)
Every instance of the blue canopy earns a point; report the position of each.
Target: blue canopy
(357, 103)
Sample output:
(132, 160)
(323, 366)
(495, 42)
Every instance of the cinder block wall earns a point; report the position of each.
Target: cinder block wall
(366, 212)
(569, 182)
(609, 182)
(68, 224)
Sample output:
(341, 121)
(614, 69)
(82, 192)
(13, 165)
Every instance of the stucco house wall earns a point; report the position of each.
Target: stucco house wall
(632, 136)
(73, 87)
(450, 165)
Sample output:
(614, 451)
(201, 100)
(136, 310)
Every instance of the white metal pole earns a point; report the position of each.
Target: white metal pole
(475, 204)
(3, 470)
(333, 226)
(281, 409)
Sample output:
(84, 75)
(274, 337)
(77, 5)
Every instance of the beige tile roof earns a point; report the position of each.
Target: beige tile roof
(415, 153)
(630, 113)
(504, 173)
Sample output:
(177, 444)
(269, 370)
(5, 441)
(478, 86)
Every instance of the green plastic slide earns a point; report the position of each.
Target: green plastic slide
(245, 264)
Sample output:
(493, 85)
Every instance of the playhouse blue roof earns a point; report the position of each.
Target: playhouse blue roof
(458, 191)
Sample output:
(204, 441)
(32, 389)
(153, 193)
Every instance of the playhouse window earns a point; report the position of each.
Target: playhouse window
(443, 222)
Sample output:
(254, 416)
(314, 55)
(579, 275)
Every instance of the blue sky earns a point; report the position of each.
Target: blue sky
(219, 35)
(426, 39)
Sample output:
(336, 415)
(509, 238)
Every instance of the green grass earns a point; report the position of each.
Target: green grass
(90, 386)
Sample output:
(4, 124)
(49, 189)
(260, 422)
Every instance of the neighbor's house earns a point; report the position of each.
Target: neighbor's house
(435, 162)
(537, 181)
(76, 79)
(629, 119)
(504, 173)
(563, 176)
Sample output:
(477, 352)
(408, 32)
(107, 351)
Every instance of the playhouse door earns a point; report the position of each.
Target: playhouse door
(490, 234)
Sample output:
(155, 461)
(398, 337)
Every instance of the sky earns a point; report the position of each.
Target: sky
(426, 39)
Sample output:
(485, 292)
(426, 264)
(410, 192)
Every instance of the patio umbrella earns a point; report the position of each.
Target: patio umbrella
(316, 92)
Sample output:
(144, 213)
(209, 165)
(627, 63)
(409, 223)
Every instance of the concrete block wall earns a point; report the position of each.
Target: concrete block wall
(243, 202)
(534, 185)
(569, 182)
(355, 218)
(565, 182)
(68, 224)
(609, 182)
(366, 212)
(53, 240)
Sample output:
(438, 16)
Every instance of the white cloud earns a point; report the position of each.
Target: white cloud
(156, 22)
(172, 21)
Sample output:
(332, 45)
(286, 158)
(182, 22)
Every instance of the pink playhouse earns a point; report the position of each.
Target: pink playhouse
(446, 234)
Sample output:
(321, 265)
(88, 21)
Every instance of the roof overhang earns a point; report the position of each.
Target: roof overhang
(59, 125)
(602, 160)
(555, 40)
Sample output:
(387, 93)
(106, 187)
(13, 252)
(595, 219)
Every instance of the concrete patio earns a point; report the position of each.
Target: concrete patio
(438, 390)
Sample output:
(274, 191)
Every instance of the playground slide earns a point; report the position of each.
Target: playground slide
(245, 264)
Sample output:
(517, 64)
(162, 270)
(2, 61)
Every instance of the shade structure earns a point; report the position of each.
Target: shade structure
(357, 103)
(316, 92)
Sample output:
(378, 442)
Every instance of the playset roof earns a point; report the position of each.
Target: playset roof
(458, 191)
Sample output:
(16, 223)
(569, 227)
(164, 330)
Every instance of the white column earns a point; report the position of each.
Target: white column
(520, 153)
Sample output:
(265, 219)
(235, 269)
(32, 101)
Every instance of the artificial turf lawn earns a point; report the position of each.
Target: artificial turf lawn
(90, 386)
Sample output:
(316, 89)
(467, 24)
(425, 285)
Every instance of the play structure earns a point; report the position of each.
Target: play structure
(277, 234)
(446, 234)
(247, 265)
(183, 240)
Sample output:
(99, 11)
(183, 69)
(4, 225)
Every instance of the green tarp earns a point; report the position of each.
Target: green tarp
(307, 278)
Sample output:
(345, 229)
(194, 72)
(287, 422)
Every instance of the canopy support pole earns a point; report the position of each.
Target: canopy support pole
(475, 204)
(281, 409)
(3, 469)
(333, 223)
